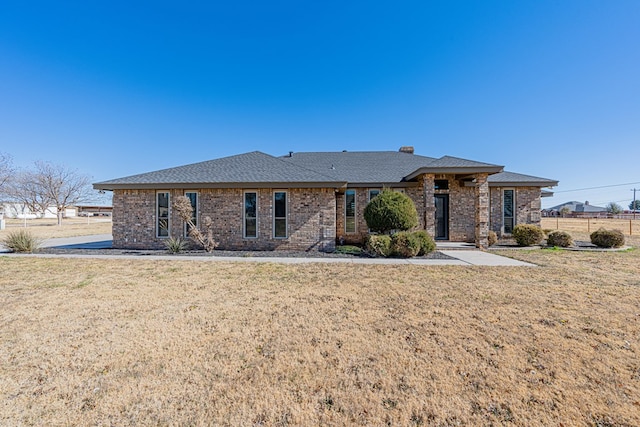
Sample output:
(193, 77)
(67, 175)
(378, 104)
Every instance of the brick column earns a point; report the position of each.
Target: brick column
(482, 210)
(428, 187)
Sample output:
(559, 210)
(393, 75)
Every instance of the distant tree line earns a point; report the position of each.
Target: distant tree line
(43, 186)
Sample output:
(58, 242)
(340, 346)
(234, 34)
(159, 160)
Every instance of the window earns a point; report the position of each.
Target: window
(162, 214)
(280, 215)
(441, 184)
(350, 211)
(250, 214)
(508, 210)
(373, 193)
(193, 198)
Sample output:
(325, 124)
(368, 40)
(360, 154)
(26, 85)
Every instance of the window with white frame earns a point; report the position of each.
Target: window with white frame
(280, 214)
(250, 214)
(193, 199)
(373, 193)
(350, 211)
(162, 214)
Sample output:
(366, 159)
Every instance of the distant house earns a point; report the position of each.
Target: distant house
(577, 209)
(22, 211)
(308, 201)
(94, 210)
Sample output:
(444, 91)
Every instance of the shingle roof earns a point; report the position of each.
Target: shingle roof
(244, 169)
(316, 169)
(517, 179)
(361, 166)
(456, 162)
(575, 206)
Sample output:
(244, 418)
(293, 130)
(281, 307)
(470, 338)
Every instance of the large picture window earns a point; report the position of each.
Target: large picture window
(280, 214)
(350, 211)
(193, 198)
(162, 214)
(250, 214)
(508, 210)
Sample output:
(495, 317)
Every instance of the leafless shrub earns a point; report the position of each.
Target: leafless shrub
(204, 238)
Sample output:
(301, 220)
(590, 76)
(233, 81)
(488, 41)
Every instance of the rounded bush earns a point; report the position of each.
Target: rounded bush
(527, 234)
(492, 238)
(390, 210)
(561, 239)
(405, 244)
(378, 245)
(427, 244)
(607, 238)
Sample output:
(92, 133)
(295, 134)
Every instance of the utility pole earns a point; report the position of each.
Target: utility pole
(635, 205)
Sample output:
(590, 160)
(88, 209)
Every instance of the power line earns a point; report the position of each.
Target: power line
(595, 188)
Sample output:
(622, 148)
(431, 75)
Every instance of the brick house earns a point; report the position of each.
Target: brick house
(308, 201)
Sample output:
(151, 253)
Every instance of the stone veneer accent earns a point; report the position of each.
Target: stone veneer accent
(482, 210)
(528, 205)
(462, 202)
(310, 219)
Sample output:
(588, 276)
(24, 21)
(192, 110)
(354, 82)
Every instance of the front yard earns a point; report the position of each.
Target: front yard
(135, 342)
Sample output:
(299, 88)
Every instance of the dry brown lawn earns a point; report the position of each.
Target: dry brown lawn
(48, 228)
(141, 342)
(586, 225)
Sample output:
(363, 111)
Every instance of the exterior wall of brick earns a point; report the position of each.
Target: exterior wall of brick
(311, 217)
(528, 205)
(133, 219)
(316, 216)
(462, 210)
(362, 199)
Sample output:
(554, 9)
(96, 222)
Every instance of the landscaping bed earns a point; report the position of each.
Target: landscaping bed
(223, 253)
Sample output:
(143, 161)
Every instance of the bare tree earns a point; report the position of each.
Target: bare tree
(6, 171)
(50, 185)
(24, 190)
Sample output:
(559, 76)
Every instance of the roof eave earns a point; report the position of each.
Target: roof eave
(455, 170)
(202, 185)
(401, 184)
(523, 184)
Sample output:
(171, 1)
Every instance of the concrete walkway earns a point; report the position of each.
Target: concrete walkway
(96, 241)
(466, 257)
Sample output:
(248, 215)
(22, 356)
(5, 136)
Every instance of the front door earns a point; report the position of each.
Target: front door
(442, 216)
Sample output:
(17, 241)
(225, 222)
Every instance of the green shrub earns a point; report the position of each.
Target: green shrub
(175, 245)
(22, 241)
(492, 238)
(390, 210)
(405, 244)
(348, 250)
(607, 238)
(562, 239)
(378, 245)
(527, 234)
(427, 245)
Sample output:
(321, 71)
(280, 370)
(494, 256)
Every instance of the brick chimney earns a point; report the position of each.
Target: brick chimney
(406, 149)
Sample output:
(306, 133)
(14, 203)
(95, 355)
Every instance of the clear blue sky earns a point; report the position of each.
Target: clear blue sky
(548, 88)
